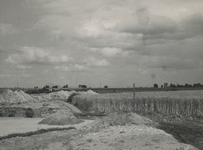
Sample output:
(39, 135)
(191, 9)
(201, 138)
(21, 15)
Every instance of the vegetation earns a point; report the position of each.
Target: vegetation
(41, 131)
(181, 103)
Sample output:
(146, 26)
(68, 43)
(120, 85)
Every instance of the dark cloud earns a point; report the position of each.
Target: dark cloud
(193, 24)
(172, 63)
(161, 27)
(143, 16)
(156, 25)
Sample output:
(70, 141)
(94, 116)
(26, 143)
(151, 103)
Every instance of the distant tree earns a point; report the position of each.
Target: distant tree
(55, 86)
(46, 87)
(65, 86)
(186, 85)
(197, 85)
(105, 86)
(84, 86)
(156, 85)
(189, 85)
(179, 85)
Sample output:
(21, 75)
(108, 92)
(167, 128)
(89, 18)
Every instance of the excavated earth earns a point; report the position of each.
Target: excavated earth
(115, 131)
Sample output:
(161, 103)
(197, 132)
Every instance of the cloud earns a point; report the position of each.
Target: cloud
(91, 30)
(155, 27)
(7, 29)
(193, 24)
(111, 52)
(169, 62)
(75, 67)
(23, 67)
(35, 55)
(91, 62)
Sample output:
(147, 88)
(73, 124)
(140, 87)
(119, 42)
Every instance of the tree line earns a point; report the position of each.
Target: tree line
(186, 85)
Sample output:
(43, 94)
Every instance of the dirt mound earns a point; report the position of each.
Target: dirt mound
(61, 95)
(10, 97)
(88, 92)
(61, 117)
(36, 109)
(16, 112)
(118, 118)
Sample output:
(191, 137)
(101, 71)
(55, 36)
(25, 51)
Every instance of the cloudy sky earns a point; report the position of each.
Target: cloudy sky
(112, 42)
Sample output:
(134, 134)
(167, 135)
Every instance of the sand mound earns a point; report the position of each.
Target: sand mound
(61, 117)
(118, 118)
(10, 97)
(61, 95)
(89, 92)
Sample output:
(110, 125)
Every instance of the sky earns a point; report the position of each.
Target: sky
(100, 42)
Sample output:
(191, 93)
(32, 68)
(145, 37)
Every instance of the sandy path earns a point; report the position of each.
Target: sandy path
(21, 125)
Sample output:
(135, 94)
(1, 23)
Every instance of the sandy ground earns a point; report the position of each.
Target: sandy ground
(133, 137)
(10, 125)
(128, 137)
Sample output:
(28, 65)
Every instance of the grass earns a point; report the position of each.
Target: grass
(41, 131)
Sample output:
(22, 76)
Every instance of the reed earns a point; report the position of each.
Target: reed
(181, 103)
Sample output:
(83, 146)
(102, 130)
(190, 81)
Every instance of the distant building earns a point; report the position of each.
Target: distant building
(165, 85)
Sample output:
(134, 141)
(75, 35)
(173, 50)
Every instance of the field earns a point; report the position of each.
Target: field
(183, 103)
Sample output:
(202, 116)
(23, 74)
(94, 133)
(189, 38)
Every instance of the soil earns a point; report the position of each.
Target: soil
(185, 130)
(117, 131)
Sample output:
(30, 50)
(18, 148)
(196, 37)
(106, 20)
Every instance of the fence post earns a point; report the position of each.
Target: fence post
(133, 91)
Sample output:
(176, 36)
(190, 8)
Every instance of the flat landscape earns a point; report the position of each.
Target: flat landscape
(100, 121)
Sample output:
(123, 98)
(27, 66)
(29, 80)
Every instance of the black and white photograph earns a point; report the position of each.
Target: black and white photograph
(101, 74)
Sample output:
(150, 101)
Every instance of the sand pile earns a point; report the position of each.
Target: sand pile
(88, 92)
(10, 97)
(61, 95)
(61, 117)
(122, 119)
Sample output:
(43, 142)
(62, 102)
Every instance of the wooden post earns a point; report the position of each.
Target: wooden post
(133, 91)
